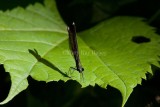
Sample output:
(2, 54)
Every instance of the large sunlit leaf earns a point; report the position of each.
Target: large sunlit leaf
(35, 27)
(34, 42)
(126, 46)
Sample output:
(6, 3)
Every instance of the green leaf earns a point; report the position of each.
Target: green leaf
(125, 62)
(35, 27)
(34, 42)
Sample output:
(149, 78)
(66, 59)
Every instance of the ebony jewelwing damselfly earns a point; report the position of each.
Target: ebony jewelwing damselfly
(74, 47)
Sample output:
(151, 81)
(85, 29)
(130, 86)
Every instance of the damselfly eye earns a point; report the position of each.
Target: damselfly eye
(80, 69)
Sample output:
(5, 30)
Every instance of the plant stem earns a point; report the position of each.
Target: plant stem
(154, 17)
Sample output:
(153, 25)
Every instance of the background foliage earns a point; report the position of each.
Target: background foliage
(43, 94)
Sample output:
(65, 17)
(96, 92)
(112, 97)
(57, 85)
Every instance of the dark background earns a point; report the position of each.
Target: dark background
(86, 14)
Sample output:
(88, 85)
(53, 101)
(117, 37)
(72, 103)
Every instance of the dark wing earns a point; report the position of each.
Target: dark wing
(73, 45)
(72, 39)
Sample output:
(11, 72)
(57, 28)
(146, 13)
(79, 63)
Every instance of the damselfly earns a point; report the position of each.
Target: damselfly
(74, 47)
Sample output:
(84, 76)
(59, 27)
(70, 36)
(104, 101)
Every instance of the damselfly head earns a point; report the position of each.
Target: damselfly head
(80, 69)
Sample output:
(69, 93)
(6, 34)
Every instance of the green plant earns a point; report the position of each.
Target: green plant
(34, 42)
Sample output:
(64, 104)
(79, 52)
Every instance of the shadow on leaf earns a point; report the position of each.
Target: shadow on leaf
(46, 62)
